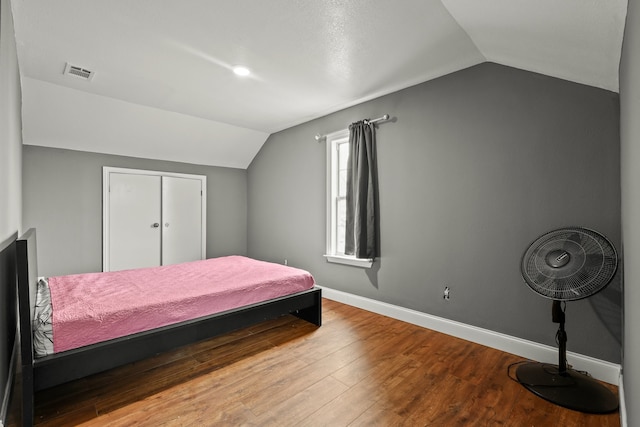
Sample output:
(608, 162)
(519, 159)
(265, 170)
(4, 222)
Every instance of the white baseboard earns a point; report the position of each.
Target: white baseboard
(623, 405)
(599, 369)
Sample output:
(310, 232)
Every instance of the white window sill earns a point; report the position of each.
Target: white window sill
(348, 260)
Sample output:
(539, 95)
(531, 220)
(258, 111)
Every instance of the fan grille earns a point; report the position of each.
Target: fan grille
(569, 264)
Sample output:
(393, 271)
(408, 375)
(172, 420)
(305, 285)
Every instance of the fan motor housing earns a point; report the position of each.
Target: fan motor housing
(558, 258)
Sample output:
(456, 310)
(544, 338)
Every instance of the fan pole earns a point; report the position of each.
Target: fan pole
(558, 317)
(562, 386)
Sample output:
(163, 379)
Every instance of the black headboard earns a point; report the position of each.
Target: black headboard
(27, 263)
(27, 270)
(7, 318)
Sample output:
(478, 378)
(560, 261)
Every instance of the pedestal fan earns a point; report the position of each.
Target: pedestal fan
(565, 265)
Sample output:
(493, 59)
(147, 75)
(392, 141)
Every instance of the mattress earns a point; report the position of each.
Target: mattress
(89, 308)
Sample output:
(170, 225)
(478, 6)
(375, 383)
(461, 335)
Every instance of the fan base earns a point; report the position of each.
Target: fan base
(571, 389)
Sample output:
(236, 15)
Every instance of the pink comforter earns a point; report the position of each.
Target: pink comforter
(94, 307)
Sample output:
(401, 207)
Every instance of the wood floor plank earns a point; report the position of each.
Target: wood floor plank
(358, 369)
(344, 409)
(294, 410)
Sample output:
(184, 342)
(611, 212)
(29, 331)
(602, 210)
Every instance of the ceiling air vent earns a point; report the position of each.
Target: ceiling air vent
(78, 72)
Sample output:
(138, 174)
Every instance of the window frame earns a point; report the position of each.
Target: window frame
(333, 140)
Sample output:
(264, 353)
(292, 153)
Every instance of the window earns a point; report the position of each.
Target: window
(337, 157)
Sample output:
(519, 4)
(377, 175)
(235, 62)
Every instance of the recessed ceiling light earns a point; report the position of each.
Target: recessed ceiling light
(241, 71)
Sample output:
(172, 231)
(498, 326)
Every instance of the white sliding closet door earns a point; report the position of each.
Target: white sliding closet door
(134, 221)
(152, 218)
(181, 220)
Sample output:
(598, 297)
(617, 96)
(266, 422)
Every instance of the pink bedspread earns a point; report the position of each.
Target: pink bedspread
(95, 307)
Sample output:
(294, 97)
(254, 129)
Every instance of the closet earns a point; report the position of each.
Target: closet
(152, 218)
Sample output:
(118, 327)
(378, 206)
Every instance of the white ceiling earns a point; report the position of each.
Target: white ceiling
(163, 86)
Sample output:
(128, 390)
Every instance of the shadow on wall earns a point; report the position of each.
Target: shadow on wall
(372, 273)
(607, 304)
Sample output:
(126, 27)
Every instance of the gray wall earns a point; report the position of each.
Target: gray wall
(10, 128)
(63, 200)
(630, 177)
(474, 166)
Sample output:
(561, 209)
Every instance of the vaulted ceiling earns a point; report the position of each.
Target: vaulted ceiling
(163, 86)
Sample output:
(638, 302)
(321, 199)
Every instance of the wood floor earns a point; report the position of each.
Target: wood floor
(358, 369)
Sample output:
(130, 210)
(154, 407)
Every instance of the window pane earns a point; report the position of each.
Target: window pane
(341, 221)
(343, 155)
(342, 183)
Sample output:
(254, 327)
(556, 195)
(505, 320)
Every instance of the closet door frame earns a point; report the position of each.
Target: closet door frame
(107, 170)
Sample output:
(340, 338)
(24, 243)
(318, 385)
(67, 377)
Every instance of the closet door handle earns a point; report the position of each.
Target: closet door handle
(155, 225)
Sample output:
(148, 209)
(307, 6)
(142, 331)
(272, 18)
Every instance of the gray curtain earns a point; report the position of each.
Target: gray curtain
(362, 219)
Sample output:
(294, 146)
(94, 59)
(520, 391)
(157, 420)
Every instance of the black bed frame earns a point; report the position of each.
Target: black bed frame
(48, 371)
(8, 322)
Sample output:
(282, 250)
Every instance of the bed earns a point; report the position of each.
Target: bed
(76, 362)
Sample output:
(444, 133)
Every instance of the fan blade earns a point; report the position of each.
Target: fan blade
(610, 260)
(584, 275)
(541, 278)
(594, 261)
(573, 238)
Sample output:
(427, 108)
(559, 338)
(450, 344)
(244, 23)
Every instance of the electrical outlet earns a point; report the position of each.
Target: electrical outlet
(286, 262)
(447, 293)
